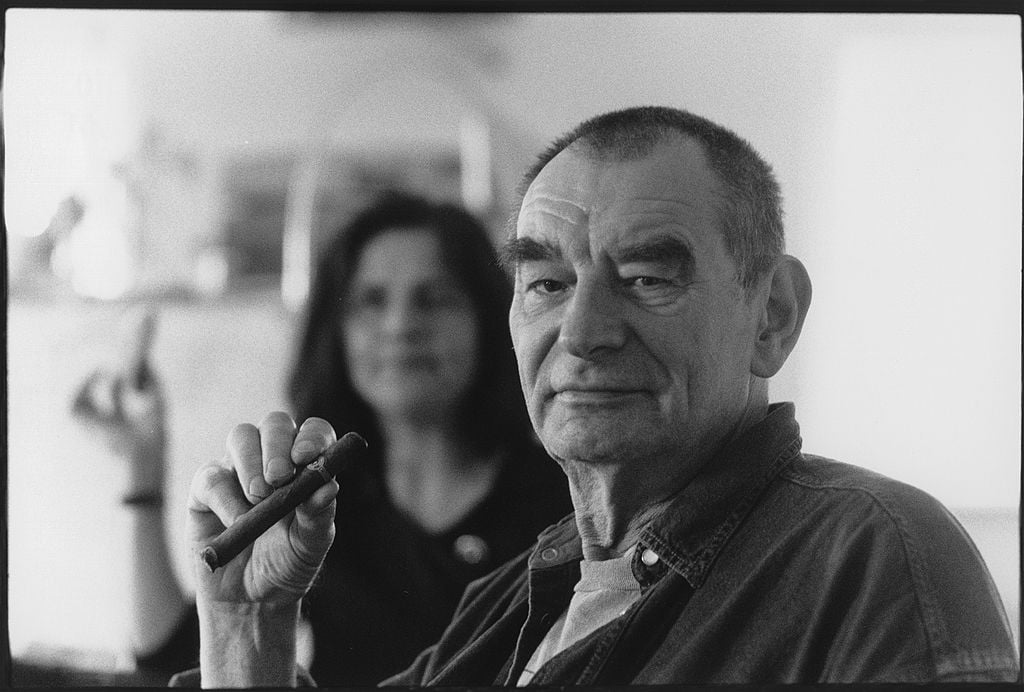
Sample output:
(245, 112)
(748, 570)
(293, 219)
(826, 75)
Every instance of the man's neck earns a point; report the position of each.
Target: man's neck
(613, 506)
(614, 502)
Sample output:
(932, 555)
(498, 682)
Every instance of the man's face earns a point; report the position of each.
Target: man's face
(632, 332)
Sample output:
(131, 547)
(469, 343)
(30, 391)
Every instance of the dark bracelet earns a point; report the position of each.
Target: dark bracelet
(144, 499)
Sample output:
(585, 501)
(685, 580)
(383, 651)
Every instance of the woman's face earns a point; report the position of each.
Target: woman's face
(409, 330)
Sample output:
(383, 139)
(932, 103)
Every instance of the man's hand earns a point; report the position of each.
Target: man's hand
(281, 564)
(249, 607)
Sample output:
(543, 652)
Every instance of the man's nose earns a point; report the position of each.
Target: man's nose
(593, 321)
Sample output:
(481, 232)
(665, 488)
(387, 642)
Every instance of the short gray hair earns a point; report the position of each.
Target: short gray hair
(750, 211)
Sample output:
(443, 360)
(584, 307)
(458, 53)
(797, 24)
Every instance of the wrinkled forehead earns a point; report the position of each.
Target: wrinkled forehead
(670, 185)
(560, 187)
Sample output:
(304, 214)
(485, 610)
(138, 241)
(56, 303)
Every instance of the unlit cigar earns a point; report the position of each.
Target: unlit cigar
(251, 525)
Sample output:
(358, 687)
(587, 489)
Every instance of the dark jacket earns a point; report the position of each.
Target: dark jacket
(774, 567)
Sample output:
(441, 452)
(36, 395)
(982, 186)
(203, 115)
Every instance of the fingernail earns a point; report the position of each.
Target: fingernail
(304, 448)
(259, 488)
(279, 469)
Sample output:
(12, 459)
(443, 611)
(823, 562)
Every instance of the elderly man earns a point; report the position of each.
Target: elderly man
(652, 303)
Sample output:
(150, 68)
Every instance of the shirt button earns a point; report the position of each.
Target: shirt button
(649, 557)
(549, 554)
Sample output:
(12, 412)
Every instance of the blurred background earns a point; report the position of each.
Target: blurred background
(192, 162)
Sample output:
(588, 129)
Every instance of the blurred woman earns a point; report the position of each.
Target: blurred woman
(406, 342)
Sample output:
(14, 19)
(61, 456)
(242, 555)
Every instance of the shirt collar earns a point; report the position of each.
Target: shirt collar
(557, 544)
(688, 535)
(690, 532)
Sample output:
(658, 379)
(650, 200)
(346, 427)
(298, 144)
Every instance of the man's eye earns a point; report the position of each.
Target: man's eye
(646, 281)
(546, 286)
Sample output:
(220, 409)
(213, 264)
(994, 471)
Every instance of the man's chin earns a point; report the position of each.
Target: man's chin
(594, 443)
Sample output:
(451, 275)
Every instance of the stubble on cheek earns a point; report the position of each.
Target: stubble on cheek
(535, 407)
(530, 357)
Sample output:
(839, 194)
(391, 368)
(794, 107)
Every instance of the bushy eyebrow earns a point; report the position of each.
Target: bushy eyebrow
(516, 251)
(662, 249)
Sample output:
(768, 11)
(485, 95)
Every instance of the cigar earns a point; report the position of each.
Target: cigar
(251, 525)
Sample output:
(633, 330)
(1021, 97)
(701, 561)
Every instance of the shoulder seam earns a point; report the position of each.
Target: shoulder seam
(940, 648)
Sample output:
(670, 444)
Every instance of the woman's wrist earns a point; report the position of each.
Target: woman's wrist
(143, 499)
(144, 489)
(145, 477)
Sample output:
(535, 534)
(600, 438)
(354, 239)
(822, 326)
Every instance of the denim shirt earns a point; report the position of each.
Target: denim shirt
(773, 566)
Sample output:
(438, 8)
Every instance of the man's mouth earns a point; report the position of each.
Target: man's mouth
(594, 395)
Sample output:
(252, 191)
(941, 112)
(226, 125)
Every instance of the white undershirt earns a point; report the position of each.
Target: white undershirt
(606, 589)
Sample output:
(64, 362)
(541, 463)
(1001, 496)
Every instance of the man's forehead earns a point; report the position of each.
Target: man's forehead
(559, 189)
(685, 154)
(546, 204)
(670, 189)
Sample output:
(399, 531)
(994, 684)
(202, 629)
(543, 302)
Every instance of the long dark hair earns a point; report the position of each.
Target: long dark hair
(493, 414)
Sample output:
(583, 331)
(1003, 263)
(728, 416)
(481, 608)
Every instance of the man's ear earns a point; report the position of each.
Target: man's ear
(789, 297)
